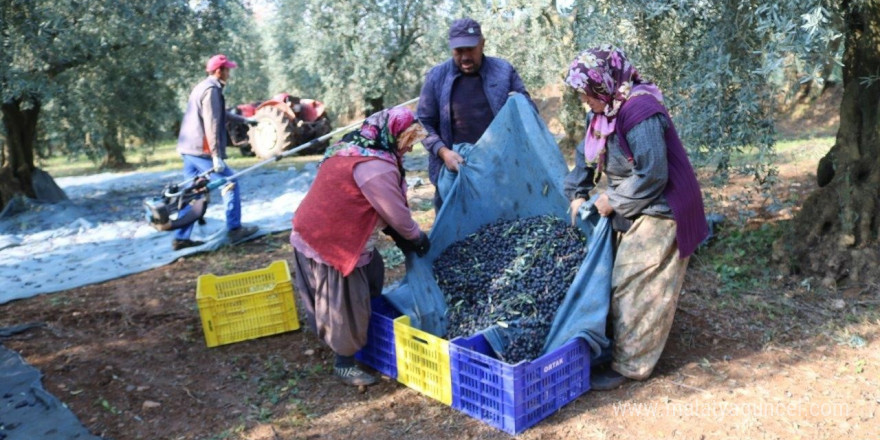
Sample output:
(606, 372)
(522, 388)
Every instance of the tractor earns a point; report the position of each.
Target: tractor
(283, 122)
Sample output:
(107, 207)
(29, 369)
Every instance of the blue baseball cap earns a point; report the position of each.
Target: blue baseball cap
(464, 32)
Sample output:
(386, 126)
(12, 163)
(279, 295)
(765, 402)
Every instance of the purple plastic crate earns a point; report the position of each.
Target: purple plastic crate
(379, 353)
(515, 397)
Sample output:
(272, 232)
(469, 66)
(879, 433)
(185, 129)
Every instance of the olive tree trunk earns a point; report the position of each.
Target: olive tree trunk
(18, 174)
(835, 235)
(18, 150)
(114, 148)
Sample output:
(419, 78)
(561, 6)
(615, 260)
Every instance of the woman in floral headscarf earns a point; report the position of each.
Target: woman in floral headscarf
(653, 200)
(358, 191)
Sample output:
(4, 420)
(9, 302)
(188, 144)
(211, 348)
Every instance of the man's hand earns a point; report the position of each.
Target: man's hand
(450, 158)
(603, 206)
(219, 165)
(574, 207)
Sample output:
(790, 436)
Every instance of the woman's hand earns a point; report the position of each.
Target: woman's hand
(603, 206)
(450, 158)
(574, 207)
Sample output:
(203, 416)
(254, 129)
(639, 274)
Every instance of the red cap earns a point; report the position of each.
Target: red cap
(218, 61)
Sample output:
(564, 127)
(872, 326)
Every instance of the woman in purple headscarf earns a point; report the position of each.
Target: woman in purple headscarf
(653, 200)
(359, 190)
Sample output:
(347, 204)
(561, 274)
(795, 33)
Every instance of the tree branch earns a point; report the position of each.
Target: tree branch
(61, 67)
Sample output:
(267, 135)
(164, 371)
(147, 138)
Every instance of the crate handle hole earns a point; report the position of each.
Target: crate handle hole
(479, 363)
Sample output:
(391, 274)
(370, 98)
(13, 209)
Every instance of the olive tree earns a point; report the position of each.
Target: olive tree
(357, 56)
(93, 75)
(836, 231)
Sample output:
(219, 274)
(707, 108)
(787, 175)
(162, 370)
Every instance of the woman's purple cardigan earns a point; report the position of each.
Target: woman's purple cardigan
(682, 190)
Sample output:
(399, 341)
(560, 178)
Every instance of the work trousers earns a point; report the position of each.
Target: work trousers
(645, 285)
(338, 307)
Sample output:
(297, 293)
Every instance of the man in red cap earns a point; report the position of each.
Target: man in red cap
(202, 145)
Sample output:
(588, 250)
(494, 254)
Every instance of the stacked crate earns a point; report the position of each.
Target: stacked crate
(465, 374)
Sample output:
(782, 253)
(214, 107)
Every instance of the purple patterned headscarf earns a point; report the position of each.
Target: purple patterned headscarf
(605, 73)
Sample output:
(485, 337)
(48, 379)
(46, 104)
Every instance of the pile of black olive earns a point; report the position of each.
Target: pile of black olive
(513, 273)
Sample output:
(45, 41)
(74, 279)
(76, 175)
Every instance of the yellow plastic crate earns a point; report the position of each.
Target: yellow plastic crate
(246, 305)
(422, 361)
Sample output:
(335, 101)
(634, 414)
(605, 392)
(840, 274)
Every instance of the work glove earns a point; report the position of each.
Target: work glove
(219, 165)
(420, 245)
(251, 121)
(403, 244)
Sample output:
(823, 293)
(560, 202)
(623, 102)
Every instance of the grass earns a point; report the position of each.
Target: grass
(741, 259)
(158, 157)
(164, 157)
(740, 255)
(816, 147)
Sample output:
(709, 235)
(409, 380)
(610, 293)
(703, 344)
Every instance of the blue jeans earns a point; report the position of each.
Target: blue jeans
(192, 167)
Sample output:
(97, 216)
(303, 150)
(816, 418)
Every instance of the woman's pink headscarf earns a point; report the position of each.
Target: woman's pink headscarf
(376, 137)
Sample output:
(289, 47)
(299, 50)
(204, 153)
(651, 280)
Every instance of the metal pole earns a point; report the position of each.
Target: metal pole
(220, 182)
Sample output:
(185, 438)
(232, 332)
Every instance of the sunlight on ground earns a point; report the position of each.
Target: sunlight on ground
(792, 152)
(787, 151)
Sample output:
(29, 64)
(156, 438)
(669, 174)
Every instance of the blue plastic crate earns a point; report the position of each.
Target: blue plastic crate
(515, 397)
(380, 353)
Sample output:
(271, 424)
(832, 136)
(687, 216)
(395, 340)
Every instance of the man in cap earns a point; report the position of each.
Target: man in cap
(461, 96)
(202, 145)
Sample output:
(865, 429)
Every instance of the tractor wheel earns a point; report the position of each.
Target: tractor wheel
(273, 134)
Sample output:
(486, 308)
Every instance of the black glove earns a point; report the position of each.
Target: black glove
(421, 245)
(403, 244)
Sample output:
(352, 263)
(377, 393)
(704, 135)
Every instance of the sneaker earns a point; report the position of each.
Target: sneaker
(183, 244)
(237, 235)
(354, 376)
(607, 380)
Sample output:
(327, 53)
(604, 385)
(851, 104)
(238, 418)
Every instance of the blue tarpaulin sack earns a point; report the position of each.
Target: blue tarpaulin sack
(586, 303)
(514, 171)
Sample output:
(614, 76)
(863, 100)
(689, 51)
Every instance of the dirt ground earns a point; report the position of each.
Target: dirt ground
(790, 359)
